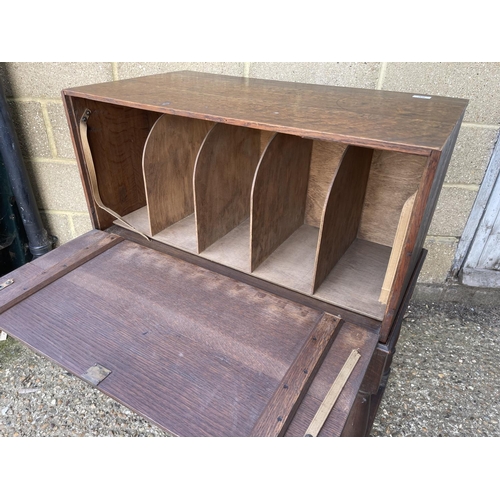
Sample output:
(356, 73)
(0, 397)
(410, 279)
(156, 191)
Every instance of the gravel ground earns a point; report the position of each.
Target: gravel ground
(445, 379)
(444, 382)
(38, 398)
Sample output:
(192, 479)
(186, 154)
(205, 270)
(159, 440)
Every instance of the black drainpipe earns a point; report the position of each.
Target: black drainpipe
(38, 239)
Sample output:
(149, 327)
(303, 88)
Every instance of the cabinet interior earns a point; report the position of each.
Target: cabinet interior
(326, 219)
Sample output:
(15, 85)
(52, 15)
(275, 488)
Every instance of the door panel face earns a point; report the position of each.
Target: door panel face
(195, 352)
(482, 266)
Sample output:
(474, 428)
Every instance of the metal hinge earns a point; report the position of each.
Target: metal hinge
(5, 284)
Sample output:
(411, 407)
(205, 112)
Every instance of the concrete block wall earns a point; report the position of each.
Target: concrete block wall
(33, 91)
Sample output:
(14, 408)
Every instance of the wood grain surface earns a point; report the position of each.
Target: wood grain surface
(342, 211)
(350, 337)
(116, 136)
(21, 289)
(394, 177)
(278, 195)
(195, 352)
(397, 248)
(252, 279)
(355, 282)
(363, 117)
(168, 164)
(282, 406)
(325, 160)
(223, 178)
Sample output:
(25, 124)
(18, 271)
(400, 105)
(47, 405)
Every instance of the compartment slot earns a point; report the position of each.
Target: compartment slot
(292, 264)
(394, 177)
(355, 282)
(316, 217)
(278, 194)
(342, 212)
(223, 177)
(233, 249)
(168, 163)
(369, 263)
(116, 137)
(181, 235)
(325, 161)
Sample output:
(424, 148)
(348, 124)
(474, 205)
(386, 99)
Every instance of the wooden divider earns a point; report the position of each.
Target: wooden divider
(223, 180)
(397, 248)
(342, 211)
(168, 163)
(325, 160)
(278, 194)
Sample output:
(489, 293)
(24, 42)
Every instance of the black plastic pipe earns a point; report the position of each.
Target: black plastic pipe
(38, 239)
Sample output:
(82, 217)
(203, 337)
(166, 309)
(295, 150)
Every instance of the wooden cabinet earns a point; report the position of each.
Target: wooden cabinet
(249, 235)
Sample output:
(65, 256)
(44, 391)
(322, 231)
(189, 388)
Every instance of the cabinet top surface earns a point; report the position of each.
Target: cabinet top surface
(407, 122)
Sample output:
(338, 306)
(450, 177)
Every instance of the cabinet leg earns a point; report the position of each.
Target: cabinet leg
(377, 397)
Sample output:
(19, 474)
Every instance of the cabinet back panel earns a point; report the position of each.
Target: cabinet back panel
(394, 177)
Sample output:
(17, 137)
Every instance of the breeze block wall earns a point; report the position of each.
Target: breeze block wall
(34, 93)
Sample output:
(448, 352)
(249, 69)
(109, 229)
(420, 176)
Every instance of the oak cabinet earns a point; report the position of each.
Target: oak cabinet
(249, 236)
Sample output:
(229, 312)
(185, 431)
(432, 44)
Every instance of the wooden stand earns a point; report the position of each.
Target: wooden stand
(285, 224)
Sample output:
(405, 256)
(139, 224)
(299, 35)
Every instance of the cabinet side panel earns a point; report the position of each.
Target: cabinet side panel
(423, 210)
(73, 121)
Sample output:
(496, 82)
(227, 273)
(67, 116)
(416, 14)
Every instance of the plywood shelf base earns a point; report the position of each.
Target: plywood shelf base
(291, 265)
(364, 262)
(233, 249)
(180, 235)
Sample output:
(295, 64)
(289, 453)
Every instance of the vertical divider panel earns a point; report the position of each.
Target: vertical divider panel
(278, 194)
(342, 211)
(168, 162)
(222, 180)
(397, 248)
